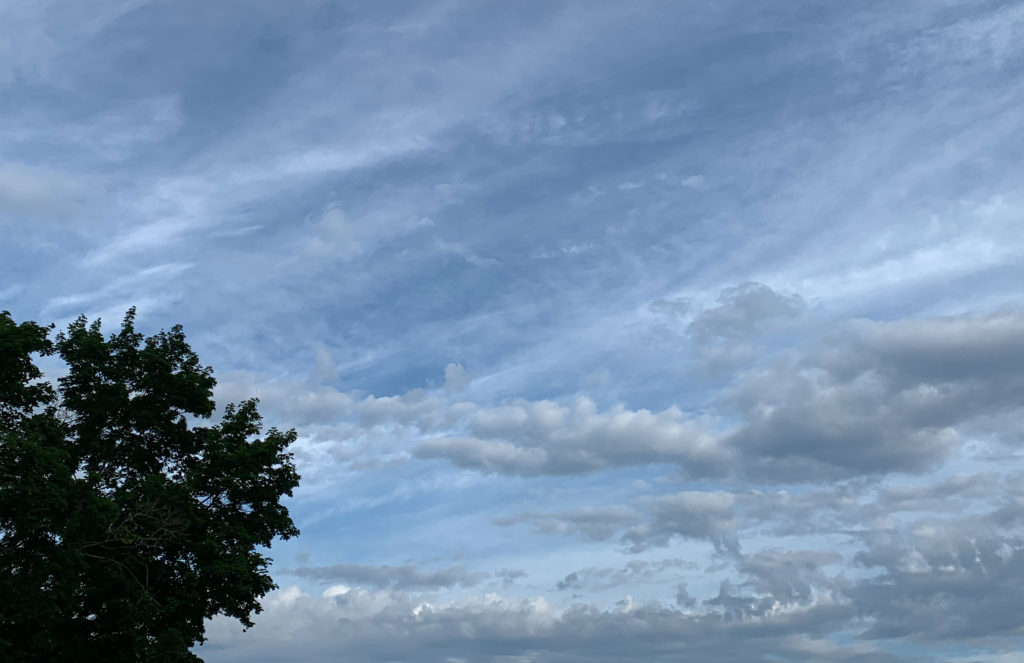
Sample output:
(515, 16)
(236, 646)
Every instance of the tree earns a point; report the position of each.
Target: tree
(123, 523)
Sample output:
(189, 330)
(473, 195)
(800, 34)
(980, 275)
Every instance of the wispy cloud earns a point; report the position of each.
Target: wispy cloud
(560, 295)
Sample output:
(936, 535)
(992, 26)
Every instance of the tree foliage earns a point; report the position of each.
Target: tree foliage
(124, 524)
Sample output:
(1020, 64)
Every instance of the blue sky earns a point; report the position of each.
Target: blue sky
(636, 331)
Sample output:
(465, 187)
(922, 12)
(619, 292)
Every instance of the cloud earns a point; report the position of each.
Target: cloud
(407, 171)
(456, 378)
(951, 579)
(603, 578)
(325, 370)
(383, 626)
(544, 437)
(403, 578)
(650, 522)
(465, 252)
(416, 408)
(593, 523)
(936, 495)
(689, 514)
(526, 438)
(36, 193)
(128, 287)
(487, 456)
(151, 236)
(789, 575)
(868, 399)
(725, 336)
(509, 576)
(337, 235)
(122, 131)
(879, 397)
(942, 581)
(744, 311)
(289, 403)
(683, 598)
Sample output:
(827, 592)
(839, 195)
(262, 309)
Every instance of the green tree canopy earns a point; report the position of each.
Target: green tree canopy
(124, 525)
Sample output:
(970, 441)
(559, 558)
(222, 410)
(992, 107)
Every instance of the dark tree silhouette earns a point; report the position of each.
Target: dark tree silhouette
(124, 524)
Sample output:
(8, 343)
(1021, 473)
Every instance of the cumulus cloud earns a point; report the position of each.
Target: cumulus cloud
(786, 513)
(386, 626)
(862, 400)
(942, 579)
(870, 399)
(292, 403)
(486, 455)
(947, 579)
(526, 438)
(544, 437)
(418, 408)
(879, 397)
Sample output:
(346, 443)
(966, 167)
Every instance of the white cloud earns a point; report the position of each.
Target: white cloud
(545, 437)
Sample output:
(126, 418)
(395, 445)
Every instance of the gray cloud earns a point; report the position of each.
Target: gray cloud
(744, 311)
(784, 513)
(940, 559)
(789, 576)
(874, 398)
(593, 523)
(880, 397)
(602, 578)
(683, 598)
(851, 506)
(941, 581)
(651, 522)
(725, 336)
(407, 577)
(689, 514)
(937, 495)
(780, 581)
(509, 576)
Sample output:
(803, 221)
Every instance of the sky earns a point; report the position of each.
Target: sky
(612, 331)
